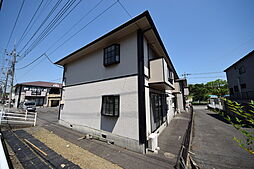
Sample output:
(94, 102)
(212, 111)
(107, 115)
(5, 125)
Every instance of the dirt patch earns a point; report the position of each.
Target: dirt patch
(70, 151)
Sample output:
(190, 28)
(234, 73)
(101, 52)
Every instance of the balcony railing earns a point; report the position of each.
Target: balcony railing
(35, 93)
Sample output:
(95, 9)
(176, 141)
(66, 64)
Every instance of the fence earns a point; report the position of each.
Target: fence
(28, 118)
(182, 159)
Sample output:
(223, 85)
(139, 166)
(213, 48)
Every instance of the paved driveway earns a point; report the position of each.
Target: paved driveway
(213, 143)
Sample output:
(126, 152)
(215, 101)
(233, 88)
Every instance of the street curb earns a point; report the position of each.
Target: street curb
(183, 160)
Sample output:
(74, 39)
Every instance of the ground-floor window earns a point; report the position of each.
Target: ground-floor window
(158, 110)
(110, 105)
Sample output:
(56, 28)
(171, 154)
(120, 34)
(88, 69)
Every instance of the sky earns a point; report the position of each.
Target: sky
(201, 36)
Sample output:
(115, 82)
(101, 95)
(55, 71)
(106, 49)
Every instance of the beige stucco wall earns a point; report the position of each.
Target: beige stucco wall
(82, 106)
(91, 68)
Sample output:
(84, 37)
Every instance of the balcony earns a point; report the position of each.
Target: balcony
(160, 76)
(35, 93)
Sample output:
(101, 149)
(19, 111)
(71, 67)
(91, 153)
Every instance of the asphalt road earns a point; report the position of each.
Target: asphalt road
(47, 115)
(213, 145)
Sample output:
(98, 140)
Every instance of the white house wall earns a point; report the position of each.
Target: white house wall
(146, 58)
(90, 67)
(82, 106)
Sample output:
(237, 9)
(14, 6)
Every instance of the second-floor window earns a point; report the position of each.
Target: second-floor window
(112, 54)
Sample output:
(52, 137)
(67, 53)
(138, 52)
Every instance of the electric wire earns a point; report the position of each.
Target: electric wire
(69, 30)
(37, 17)
(43, 22)
(51, 27)
(124, 9)
(31, 62)
(22, 36)
(91, 21)
(52, 22)
(21, 7)
(202, 73)
(212, 77)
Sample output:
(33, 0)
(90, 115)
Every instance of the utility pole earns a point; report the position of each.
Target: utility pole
(14, 56)
(185, 75)
(5, 84)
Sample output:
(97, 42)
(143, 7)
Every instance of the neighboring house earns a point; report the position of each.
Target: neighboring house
(121, 86)
(181, 93)
(240, 78)
(43, 93)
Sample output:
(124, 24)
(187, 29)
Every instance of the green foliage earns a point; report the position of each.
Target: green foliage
(218, 87)
(200, 92)
(240, 121)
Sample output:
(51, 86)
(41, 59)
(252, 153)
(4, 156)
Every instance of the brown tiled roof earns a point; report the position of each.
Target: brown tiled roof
(41, 84)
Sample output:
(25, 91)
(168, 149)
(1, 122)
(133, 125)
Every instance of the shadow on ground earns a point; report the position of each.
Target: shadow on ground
(218, 117)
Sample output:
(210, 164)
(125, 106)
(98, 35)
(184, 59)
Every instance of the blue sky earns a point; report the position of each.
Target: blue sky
(200, 35)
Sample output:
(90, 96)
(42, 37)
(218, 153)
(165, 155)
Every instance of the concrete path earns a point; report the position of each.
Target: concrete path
(213, 143)
(169, 141)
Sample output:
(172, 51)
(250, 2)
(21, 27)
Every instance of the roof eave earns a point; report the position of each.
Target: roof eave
(144, 14)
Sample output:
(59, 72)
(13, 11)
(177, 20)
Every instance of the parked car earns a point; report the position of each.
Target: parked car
(28, 105)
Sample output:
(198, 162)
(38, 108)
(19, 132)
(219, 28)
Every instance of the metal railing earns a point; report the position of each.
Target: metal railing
(182, 158)
(17, 118)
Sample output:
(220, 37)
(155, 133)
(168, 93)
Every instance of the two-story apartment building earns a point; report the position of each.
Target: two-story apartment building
(240, 78)
(43, 93)
(120, 87)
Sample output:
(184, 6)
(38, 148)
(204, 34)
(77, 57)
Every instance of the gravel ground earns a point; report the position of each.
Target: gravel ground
(73, 153)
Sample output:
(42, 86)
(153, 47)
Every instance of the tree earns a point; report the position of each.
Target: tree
(218, 87)
(200, 92)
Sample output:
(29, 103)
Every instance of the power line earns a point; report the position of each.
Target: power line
(109, 7)
(43, 8)
(52, 61)
(84, 16)
(31, 62)
(205, 77)
(52, 26)
(43, 22)
(22, 36)
(124, 8)
(32, 67)
(15, 23)
(202, 73)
